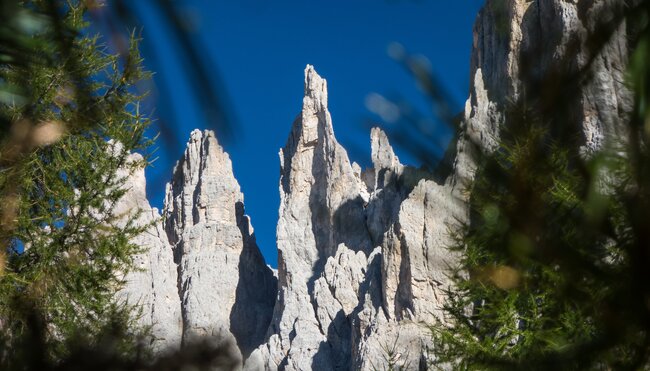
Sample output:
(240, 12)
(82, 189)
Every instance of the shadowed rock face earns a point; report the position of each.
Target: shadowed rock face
(362, 257)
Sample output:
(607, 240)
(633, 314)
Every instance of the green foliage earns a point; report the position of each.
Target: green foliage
(554, 268)
(63, 96)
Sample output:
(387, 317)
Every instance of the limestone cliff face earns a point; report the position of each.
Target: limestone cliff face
(201, 274)
(226, 290)
(152, 284)
(322, 208)
(520, 44)
(363, 255)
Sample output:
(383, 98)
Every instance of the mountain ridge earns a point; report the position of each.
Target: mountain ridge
(362, 254)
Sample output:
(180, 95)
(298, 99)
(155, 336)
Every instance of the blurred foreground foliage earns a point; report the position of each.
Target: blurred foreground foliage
(555, 261)
(66, 103)
(69, 118)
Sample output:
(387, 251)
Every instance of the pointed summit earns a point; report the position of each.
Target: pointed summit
(321, 208)
(383, 156)
(315, 91)
(226, 290)
(314, 123)
(385, 161)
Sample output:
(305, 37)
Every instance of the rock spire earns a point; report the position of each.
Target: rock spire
(362, 253)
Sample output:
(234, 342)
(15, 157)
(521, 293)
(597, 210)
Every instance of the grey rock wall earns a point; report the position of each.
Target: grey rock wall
(201, 275)
(151, 285)
(363, 257)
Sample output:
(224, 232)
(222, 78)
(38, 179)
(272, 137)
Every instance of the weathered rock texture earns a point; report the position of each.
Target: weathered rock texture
(152, 284)
(519, 45)
(226, 289)
(363, 256)
(201, 273)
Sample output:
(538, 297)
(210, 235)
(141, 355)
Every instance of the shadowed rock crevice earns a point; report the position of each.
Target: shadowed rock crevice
(255, 295)
(404, 299)
(288, 151)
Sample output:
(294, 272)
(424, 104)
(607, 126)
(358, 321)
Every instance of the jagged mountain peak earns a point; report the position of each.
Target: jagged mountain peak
(383, 156)
(362, 256)
(315, 91)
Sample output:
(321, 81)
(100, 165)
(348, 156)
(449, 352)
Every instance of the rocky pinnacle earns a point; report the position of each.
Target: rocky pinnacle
(363, 254)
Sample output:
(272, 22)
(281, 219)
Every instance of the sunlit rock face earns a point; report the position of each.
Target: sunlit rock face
(378, 290)
(226, 290)
(362, 254)
(518, 45)
(151, 285)
(322, 207)
(201, 274)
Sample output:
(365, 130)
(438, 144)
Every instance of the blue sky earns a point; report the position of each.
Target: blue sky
(259, 50)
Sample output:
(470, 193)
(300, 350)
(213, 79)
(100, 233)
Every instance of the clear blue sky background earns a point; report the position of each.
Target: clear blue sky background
(260, 49)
